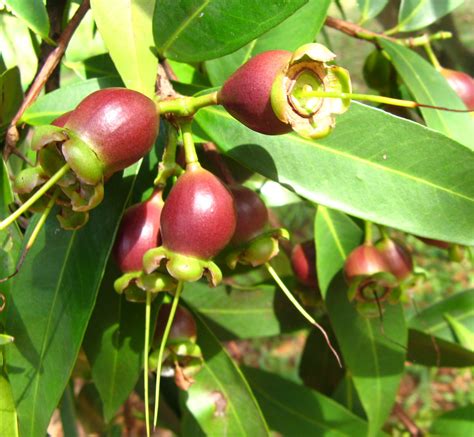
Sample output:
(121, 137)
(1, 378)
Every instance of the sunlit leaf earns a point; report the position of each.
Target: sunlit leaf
(33, 13)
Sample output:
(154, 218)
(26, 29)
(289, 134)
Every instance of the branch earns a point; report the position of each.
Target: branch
(411, 426)
(44, 74)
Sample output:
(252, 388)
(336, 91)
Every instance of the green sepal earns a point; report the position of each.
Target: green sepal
(363, 287)
(156, 282)
(181, 267)
(83, 161)
(72, 220)
(84, 197)
(44, 135)
(121, 283)
(6, 339)
(186, 354)
(29, 179)
(259, 250)
(51, 160)
(456, 253)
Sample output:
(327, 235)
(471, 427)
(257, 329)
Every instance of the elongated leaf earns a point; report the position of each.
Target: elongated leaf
(55, 293)
(376, 376)
(427, 86)
(464, 336)
(196, 30)
(127, 33)
(95, 66)
(11, 96)
(415, 14)
(232, 313)
(300, 28)
(291, 409)
(33, 13)
(455, 423)
(432, 319)
(220, 399)
(370, 9)
(56, 103)
(114, 344)
(373, 165)
(8, 416)
(427, 350)
(17, 48)
(336, 236)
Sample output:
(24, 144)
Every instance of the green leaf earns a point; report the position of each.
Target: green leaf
(428, 86)
(8, 415)
(464, 336)
(196, 30)
(95, 66)
(11, 96)
(455, 423)
(55, 293)
(373, 353)
(370, 9)
(292, 409)
(427, 350)
(318, 367)
(300, 28)
(373, 165)
(114, 344)
(232, 312)
(127, 33)
(52, 105)
(17, 49)
(416, 14)
(432, 319)
(6, 339)
(220, 399)
(68, 412)
(33, 13)
(336, 236)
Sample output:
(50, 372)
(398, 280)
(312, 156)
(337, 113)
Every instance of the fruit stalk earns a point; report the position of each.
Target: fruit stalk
(145, 361)
(374, 98)
(302, 311)
(188, 142)
(44, 188)
(187, 106)
(168, 165)
(164, 339)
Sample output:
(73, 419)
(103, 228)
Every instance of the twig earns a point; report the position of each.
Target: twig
(42, 77)
(411, 426)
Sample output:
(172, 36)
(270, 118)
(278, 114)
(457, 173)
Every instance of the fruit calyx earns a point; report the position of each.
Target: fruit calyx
(197, 222)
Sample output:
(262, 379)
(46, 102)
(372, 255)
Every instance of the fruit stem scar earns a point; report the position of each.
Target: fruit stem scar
(164, 339)
(302, 311)
(44, 188)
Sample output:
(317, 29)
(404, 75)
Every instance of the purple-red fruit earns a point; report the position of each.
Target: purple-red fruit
(246, 95)
(120, 125)
(436, 243)
(139, 231)
(199, 216)
(462, 84)
(252, 214)
(62, 119)
(183, 327)
(303, 262)
(365, 260)
(397, 256)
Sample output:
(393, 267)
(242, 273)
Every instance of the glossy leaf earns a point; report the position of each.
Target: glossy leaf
(336, 236)
(16, 47)
(11, 96)
(427, 350)
(33, 13)
(373, 165)
(196, 30)
(378, 375)
(127, 33)
(292, 409)
(114, 344)
(8, 416)
(95, 66)
(455, 423)
(220, 399)
(232, 312)
(416, 14)
(52, 105)
(300, 28)
(370, 9)
(55, 293)
(432, 320)
(428, 86)
(464, 336)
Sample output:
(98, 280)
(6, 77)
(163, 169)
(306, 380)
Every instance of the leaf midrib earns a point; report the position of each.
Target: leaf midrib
(295, 138)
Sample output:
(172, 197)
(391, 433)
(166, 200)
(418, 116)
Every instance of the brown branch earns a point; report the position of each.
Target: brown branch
(43, 75)
(411, 426)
